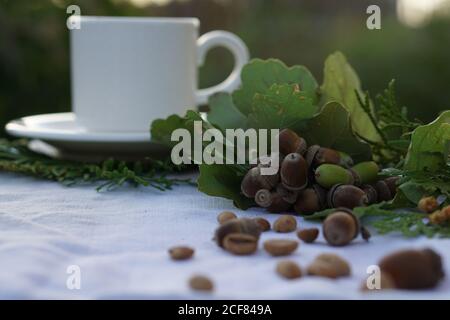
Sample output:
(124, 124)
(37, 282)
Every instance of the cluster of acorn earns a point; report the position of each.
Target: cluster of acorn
(314, 178)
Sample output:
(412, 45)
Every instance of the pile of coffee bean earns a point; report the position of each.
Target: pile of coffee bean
(405, 269)
(314, 178)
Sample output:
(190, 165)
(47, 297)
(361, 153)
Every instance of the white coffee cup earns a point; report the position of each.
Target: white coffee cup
(128, 71)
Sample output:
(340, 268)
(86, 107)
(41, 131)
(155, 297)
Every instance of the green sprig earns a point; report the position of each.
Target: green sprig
(16, 157)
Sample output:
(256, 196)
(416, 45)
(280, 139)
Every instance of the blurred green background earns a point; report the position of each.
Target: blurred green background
(413, 45)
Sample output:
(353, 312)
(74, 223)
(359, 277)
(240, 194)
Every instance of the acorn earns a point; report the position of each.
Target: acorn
(263, 198)
(290, 142)
(289, 196)
(367, 171)
(341, 227)
(371, 192)
(327, 175)
(346, 196)
(384, 193)
(294, 172)
(317, 155)
(413, 269)
(278, 204)
(391, 182)
(242, 225)
(310, 200)
(346, 160)
(254, 181)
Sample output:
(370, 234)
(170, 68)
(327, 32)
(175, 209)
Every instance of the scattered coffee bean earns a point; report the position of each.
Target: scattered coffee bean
(242, 225)
(201, 283)
(263, 223)
(308, 235)
(181, 253)
(285, 223)
(413, 269)
(289, 269)
(280, 247)
(225, 216)
(240, 243)
(329, 265)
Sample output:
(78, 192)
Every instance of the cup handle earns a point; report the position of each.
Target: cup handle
(241, 56)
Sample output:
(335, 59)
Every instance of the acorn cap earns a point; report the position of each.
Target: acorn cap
(371, 192)
(311, 154)
(263, 198)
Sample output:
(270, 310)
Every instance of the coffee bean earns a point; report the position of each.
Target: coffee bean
(280, 247)
(225, 216)
(243, 225)
(240, 243)
(285, 223)
(289, 269)
(181, 253)
(201, 283)
(329, 265)
(308, 235)
(263, 223)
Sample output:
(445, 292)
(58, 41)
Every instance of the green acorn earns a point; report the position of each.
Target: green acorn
(327, 175)
(367, 172)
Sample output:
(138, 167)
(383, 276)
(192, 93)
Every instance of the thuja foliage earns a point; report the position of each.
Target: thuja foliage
(16, 157)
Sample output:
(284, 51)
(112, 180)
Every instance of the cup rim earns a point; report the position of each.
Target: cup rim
(150, 20)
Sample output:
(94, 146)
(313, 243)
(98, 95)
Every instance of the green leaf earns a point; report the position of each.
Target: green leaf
(332, 128)
(340, 83)
(224, 114)
(281, 106)
(259, 75)
(223, 181)
(430, 145)
(161, 129)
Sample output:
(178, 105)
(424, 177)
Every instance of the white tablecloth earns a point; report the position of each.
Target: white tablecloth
(119, 240)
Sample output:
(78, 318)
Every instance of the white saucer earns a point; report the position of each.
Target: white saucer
(61, 131)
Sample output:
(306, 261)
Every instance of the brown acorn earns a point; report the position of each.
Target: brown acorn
(242, 225)
(254, 181)
(317, 155)
(371, 192)
(278, 204)
(294, 172)
(391, 182)
(263, 198)
(347, 196)
(413, 269)
(341, 227)
(289, 196)
(290, 142)
(310, 200)
(384, 193)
